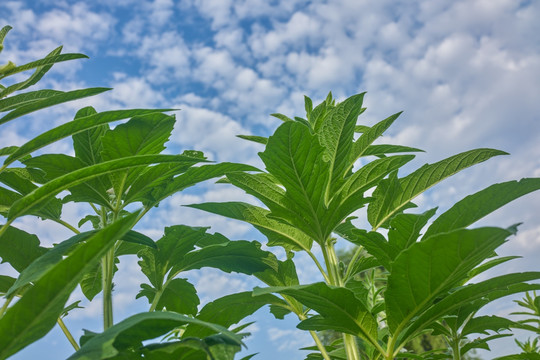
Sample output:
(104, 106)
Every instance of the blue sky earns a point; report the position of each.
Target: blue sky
(465, 72)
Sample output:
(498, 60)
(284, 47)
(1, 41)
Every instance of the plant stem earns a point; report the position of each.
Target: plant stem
(326, 278)
(351, 349)
(107, 267)
(68, 334)
(456, 353)
(69, 226)
(5, 306)
(320, 345)
(315, 337)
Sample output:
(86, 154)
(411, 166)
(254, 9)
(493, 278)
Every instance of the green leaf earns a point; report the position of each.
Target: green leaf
(339, 309)
(37, 311)
(336, 136)
(278, 233)
(49, 60)
(51, 101)
(387, 203)
(15, 101)
(5, 283)
(33, 199)
(166, 187)
(405, 229)
(381, 150)
(481, 325)
(474, 207)
(258, 139)
(179, 296)
(260, 186)
(87, 144)
(281, 117)
(240, 256)
(92, 283)
(131, 332)
(74, 127)
(19, 248)
(3, 33)
(141, 135)
(46, 261)
(428, 269)
(171, 249)
(33, 79)
(295, 158)
(229, 310)
(361, 145)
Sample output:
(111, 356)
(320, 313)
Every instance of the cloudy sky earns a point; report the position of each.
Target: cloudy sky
(465, 72)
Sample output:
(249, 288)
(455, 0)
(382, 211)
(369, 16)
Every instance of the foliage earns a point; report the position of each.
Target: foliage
(318, 174)
(113, 171)
(397, 286)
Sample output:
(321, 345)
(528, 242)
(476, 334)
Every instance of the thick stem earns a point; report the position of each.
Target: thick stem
(68, 334)
(107, 270)
(456, 350)
(351, 348)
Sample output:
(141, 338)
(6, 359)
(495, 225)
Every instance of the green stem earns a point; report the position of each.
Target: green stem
(69, 226)
(326, 278)
(5, 306)
(351, 348)
(456, 351)
(107, 267)
(4, 228)
(68, 334)
(315, 337)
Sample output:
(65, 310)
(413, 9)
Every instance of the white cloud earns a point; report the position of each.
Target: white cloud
(290, 339)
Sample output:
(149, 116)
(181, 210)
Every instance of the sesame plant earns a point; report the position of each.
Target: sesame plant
(321, 169)
(117, 175)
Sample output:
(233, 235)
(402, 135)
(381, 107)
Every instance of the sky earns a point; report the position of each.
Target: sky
(465, 73)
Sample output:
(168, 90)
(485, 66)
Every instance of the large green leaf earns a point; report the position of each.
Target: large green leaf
(19, 248)
(382, 150)
(336, 136)
(294, 156)
(338, 307)
(131, 332)
(43, 193)
(51, 101)
(37, 311)
(474, 207)
(278, 233)
(74, 127)
(387, 203)
(229, 310)
(428, 269)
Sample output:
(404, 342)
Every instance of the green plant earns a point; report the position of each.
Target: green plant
(311, 188)
(112, 172)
